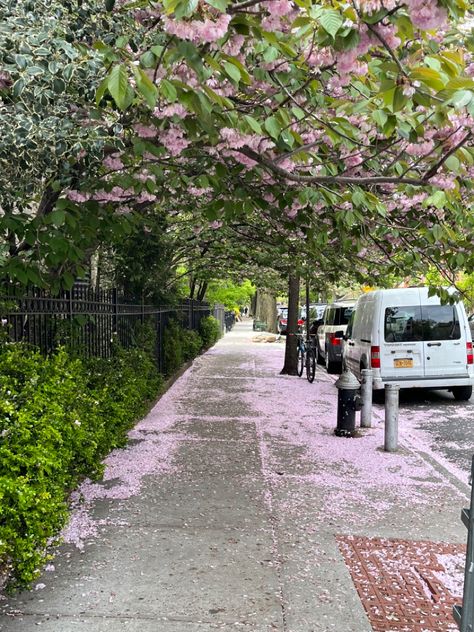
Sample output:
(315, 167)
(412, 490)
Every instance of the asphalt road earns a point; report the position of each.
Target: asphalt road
(441, 424)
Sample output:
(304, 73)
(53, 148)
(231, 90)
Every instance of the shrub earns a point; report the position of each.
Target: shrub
(191, 343)
(180, 345)
(59, 417)
(209, 330)
(172, 347)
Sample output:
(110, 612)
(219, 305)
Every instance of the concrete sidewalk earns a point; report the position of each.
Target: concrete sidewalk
(235, 507)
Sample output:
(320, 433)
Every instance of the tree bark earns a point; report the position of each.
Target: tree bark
(265, 309)
(291, 349)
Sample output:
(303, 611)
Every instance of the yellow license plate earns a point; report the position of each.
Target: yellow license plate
(403, 363)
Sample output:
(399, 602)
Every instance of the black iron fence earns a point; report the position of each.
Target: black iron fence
(91, 320)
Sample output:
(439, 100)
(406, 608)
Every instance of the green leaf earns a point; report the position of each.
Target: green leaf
(461, 98)
(428, 76)
(331, 21)
(399, 99)
(437, 199)
(118, 86)
(101, 90)
(168, 90)
(57, 217)
(380, 117)
(273, 127)
(232, 71)
(145, 86)
(253, 124)
(220, 5)
(109, 5)
(184, 8)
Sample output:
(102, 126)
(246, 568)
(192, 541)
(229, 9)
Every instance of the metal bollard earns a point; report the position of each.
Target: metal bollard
(464, 615)
(391, 417)
(366, 396)
(348, 401)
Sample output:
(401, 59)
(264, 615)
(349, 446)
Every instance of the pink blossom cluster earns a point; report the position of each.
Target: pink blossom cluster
(117, 194)
(319, 57)
(113, 162)
(277, 65)
(347, 62)
(234, 44)
(173, 139)
(427, 14)
(199, 191)
(174, 109)
(78, 196)
(353, 160)
(443, 181)
(145, 131)
(233, 140)
(404, 203)
(372, 6)
(420, 149)
(215, 224)
(278, 7)
(198, 31)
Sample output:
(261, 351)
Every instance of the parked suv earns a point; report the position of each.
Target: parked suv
(336, 318)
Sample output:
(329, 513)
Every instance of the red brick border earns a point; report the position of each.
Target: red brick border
(398, 582)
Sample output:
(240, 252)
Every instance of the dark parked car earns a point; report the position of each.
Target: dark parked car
(336, 318)
(282, 321)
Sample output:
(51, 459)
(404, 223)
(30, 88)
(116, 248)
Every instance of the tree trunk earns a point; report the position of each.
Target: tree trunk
(202, 291)
(291, 349)
(265, 309)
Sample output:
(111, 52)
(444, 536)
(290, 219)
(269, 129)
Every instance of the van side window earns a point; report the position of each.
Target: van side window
(440, 322)
(403, 324)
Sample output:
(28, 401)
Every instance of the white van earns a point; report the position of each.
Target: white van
(410, 339)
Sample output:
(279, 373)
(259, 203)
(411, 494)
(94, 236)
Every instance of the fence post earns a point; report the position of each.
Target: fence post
(192, 318)
(115, 310)
(391, 417)
(366, 394)
(464, 615)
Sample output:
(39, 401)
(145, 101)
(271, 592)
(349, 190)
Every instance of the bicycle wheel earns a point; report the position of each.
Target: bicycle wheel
(300, 361)
(310, 365)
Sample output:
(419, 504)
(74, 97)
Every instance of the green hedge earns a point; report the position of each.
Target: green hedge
(210, 331)
(180, 346)
(59, 417)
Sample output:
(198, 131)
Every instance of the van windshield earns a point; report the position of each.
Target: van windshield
(428, 322)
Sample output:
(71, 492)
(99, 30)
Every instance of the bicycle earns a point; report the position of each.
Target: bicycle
(307, 356)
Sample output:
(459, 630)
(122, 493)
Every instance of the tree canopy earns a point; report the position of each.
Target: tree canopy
(340, 130)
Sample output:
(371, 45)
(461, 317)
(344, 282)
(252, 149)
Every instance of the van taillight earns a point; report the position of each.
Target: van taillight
(333, 340)
(469, 355)
(375, 357)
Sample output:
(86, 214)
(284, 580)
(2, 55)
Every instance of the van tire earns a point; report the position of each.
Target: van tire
(462, 393)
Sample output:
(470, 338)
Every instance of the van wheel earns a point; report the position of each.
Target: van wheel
(462, 393)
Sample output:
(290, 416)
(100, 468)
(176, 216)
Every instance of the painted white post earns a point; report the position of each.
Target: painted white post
(391, 417)
(366, 396)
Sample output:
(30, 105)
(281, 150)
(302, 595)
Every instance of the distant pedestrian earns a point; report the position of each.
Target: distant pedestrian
(246, 309)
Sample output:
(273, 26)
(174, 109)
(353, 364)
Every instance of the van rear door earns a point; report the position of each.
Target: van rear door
(444, 341)
(402, 346)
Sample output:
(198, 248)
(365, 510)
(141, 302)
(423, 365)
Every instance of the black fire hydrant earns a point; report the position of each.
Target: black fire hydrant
(348, 402)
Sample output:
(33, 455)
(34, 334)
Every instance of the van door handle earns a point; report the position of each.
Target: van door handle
(434, 344)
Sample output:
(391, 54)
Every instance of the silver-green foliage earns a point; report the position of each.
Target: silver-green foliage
(49, 72)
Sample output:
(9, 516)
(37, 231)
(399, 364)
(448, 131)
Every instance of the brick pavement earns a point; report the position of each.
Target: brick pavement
(401, 583)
